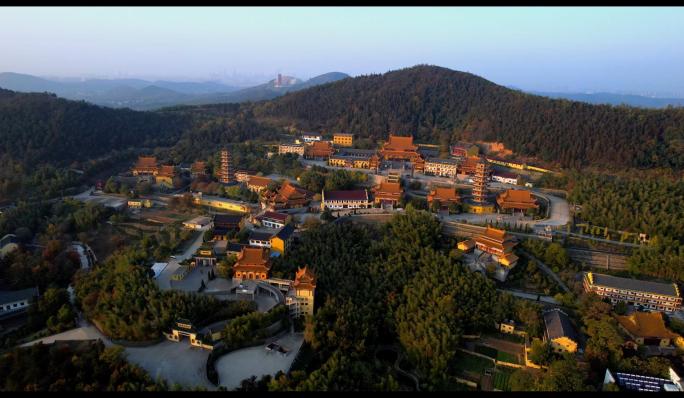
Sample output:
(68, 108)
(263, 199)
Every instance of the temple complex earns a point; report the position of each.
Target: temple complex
(252, 263)
(198, 168)
(146, 165)
(516, 199)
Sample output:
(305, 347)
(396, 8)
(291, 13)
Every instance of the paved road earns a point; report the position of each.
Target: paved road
(164, 279)
(531, 296)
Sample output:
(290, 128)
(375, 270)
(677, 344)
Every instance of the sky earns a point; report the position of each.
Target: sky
(627, 49)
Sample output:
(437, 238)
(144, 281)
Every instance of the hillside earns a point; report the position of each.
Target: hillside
(437, 105)
(615, 99)
(41, 128)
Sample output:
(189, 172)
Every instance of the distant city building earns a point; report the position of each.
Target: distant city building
(354, 199)
(650, 295)
(558, 331)
(343, 139)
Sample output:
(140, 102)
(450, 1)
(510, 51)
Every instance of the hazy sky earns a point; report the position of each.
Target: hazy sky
(611, 49)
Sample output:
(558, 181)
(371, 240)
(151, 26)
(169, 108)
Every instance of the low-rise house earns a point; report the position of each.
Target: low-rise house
(139, 203)
(558, 331)
(16, 301)
(310, 137)
(343, 139)
(647, 328)
(197, 222)
(252, 263)
(650, 295)
(354, 199)
(225, 224)
(441, 167)
(281, 241)
(291, 148)
(258, 184)
(505, 178)
(272, 219)
(260, 238)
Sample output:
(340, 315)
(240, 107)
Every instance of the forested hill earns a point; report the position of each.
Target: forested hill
(437, 104)
(41, 128)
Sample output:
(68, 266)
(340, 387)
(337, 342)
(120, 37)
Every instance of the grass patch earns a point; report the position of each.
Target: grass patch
(472, 363)
(485, 350)
(502, 380)
(506, 357)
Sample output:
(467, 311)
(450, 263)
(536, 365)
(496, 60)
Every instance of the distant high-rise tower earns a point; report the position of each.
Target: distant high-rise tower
(279, 81)
(226, 174)
(480, 183)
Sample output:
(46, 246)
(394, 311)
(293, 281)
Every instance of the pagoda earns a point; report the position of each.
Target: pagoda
(300, 298)
(226, 174)
(480, 204)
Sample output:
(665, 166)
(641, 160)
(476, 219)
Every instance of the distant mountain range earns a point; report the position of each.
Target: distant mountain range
(615, 99)
(140, 94)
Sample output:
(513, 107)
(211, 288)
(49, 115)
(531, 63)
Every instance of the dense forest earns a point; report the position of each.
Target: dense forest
(73, 366)
(41, 128)
(434, 103)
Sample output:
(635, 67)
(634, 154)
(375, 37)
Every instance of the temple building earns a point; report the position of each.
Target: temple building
(516, 199)
(252, 263)
(146, 165)
(343, 139)
(226, 174)
(198, 169)
(300, 297)
(291, 148)
(499, 243)
(165, 175)
(271, 219)
(402, 148)
(225, 224)
(354, 199)
(319, 150)
(441, 167)
(258, 184)
(480, 204)
(288, 196)
(650, 295)
(388, 193)
(444, 195)
(647, 328)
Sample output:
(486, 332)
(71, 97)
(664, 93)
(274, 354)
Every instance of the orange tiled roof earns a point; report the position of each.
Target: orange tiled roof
(258, 181)
(198, 167)
(304, 279)
(167, 170)
(496, 238)
(146, 162)
(396, 142)
(289, 191)
(389, 188)
(444, 194)
(253, 256)
(517, 198)
(646, 324)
